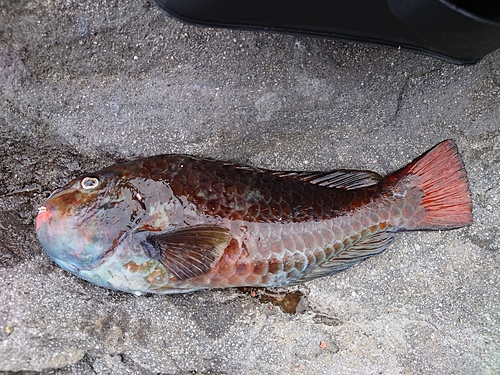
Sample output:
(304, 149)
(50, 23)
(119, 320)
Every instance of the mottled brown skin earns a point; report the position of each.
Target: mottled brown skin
(241, 193)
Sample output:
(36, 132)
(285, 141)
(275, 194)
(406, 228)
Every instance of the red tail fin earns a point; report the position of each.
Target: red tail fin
(442, 178)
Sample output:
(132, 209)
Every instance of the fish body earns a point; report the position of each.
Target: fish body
(175, 223)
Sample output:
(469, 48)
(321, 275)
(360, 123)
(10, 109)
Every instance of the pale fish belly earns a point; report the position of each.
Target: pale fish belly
(126, 268)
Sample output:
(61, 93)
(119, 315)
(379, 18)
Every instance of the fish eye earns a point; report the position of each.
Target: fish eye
(89, 183)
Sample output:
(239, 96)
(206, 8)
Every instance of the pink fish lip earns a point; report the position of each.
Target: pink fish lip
(42, 217)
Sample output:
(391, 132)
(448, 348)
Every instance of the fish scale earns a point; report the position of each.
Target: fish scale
(175, 223)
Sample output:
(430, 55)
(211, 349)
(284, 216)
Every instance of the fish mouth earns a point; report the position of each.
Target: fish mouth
(42, 217)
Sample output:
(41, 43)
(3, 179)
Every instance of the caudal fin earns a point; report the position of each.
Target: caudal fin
(441, 177)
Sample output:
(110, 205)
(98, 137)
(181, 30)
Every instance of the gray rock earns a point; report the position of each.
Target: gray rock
(87, 84)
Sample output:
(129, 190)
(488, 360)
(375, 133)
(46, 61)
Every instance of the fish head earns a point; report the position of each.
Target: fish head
(80, 223)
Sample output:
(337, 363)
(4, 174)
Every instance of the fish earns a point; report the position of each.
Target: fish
(177, 223)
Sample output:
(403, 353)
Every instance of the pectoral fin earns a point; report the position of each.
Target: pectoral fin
(187, 252)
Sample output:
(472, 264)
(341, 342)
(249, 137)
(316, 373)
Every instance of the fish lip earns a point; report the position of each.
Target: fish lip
(41, 218)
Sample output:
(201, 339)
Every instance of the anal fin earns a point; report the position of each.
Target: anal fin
(360, 251)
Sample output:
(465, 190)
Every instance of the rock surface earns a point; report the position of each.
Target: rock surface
(87, 84)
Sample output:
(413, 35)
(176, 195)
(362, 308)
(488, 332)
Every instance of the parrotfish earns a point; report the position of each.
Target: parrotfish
(177, 223)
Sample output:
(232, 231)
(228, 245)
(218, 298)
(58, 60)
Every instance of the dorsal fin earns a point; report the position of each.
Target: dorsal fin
(186, 252)
(339, 178)
(358, 252)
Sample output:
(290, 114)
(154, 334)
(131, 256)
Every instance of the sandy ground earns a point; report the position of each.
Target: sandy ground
(85, 85)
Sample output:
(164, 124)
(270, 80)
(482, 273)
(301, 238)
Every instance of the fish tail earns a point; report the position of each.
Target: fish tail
(439, 180)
